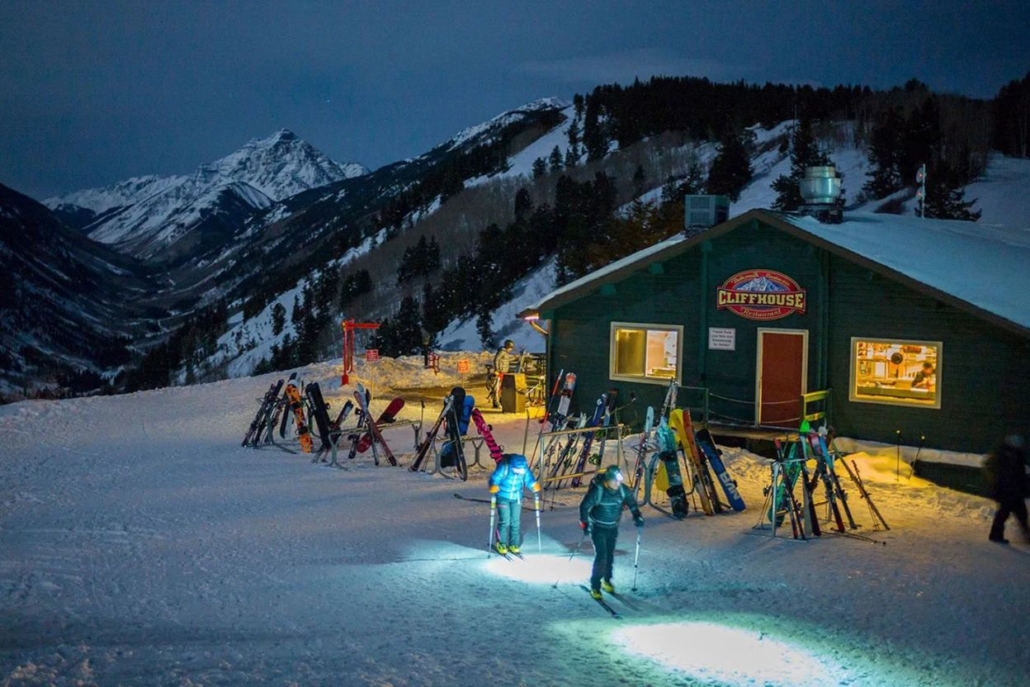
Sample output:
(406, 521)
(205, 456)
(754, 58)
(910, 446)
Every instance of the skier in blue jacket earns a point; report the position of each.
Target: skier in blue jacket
(599, 515)
(511, 476)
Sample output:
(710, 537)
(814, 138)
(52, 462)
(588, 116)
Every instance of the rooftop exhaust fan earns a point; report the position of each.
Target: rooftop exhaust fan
(820, 189)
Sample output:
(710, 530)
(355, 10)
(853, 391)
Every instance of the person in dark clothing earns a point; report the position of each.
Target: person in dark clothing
(599, 515)
(1006, 475)
(511, 476)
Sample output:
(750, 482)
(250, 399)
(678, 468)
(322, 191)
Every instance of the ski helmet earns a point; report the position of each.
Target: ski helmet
(509, 344)
(613, 477)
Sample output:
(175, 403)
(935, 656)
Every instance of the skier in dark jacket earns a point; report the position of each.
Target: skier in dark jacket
(599, 515)
(507, 482)
(1006, 474)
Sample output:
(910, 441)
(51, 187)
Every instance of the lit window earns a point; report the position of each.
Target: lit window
(896, 372)
(645, 352)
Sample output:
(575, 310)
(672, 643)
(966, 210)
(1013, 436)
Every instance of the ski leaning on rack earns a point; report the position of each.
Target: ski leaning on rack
(320, 414)
(385, 417)
(297, 408)
(362, 398)
(584, 453)
(559, 418)
(706, 492)
(268, 402)
(456, 424)
(486, 431)
(427, 441)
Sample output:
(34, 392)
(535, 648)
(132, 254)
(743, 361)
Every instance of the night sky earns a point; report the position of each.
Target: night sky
(96, 91)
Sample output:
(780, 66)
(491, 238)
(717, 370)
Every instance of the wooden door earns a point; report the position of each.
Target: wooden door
(782, 376)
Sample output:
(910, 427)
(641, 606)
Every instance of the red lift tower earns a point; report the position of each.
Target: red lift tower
(348, 345)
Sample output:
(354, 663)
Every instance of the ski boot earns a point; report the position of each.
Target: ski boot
(501, 548)
(595, 593)
(607, 586)
(514, 549)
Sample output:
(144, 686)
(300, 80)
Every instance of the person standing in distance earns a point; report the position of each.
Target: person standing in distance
(599, 515)
(503, 359)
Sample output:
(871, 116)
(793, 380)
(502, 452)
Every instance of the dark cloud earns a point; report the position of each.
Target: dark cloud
(94, 92)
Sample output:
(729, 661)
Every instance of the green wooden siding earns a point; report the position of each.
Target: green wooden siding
(984, 369)
(981, 398)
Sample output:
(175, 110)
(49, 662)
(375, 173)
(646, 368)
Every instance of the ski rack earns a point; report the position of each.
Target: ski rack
(543, 461)
(360, 428)
(770, 500)
(477, 444)
(267, 436)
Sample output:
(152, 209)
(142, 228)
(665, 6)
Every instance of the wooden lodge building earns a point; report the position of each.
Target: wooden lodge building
(916, 330)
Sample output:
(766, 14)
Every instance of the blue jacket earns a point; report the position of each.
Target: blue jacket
(511, 476)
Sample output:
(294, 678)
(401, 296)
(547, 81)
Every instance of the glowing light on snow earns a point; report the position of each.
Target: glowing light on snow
(542, 568)
(716, 653)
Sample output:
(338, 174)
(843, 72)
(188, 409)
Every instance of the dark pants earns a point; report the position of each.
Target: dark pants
(1006, 508)
(509, 522)
(604, 554)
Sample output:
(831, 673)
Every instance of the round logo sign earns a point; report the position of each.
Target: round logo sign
(761, 295)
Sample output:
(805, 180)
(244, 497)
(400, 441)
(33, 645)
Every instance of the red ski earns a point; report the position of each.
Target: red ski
(387, 416)
(373, 428)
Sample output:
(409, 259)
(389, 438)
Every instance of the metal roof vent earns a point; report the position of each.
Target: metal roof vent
(704, 212)
(820, 189)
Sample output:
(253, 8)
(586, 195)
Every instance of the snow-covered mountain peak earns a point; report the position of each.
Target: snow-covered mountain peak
(506, 118)
(283, 165)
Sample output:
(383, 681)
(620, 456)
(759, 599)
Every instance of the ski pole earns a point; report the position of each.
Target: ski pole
(539, 541)
(493, 514)
(573, 555)
(636, 559)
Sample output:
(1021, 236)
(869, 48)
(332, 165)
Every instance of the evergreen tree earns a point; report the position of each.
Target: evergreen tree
(945, 197)
(484, 324)
(555, 160)
(731, 169)
(539, 167)
(805, 152)
(885, 154)
(639, 179)
(1011, 117)
(278, 319)
(593, 134)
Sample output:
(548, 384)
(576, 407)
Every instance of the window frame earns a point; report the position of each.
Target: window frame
(855, 397)
(677, 329)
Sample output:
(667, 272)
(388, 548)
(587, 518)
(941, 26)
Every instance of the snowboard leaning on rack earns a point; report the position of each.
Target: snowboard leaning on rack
(297, 408)
(713, 454)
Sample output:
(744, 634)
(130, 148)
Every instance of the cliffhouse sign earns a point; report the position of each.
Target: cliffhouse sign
(762, 295)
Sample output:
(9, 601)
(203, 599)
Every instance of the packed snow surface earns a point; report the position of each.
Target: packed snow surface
(140, 544)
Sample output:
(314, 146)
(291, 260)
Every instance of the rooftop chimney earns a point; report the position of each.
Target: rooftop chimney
(820, 190)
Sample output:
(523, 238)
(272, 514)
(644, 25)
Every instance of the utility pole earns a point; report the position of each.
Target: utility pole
(921, 191)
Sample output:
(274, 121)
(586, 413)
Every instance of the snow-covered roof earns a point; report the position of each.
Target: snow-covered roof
(982, 268)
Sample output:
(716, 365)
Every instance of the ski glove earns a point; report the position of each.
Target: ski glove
(536, 487)
(494, 488)
(638, 520)
(585, 526)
